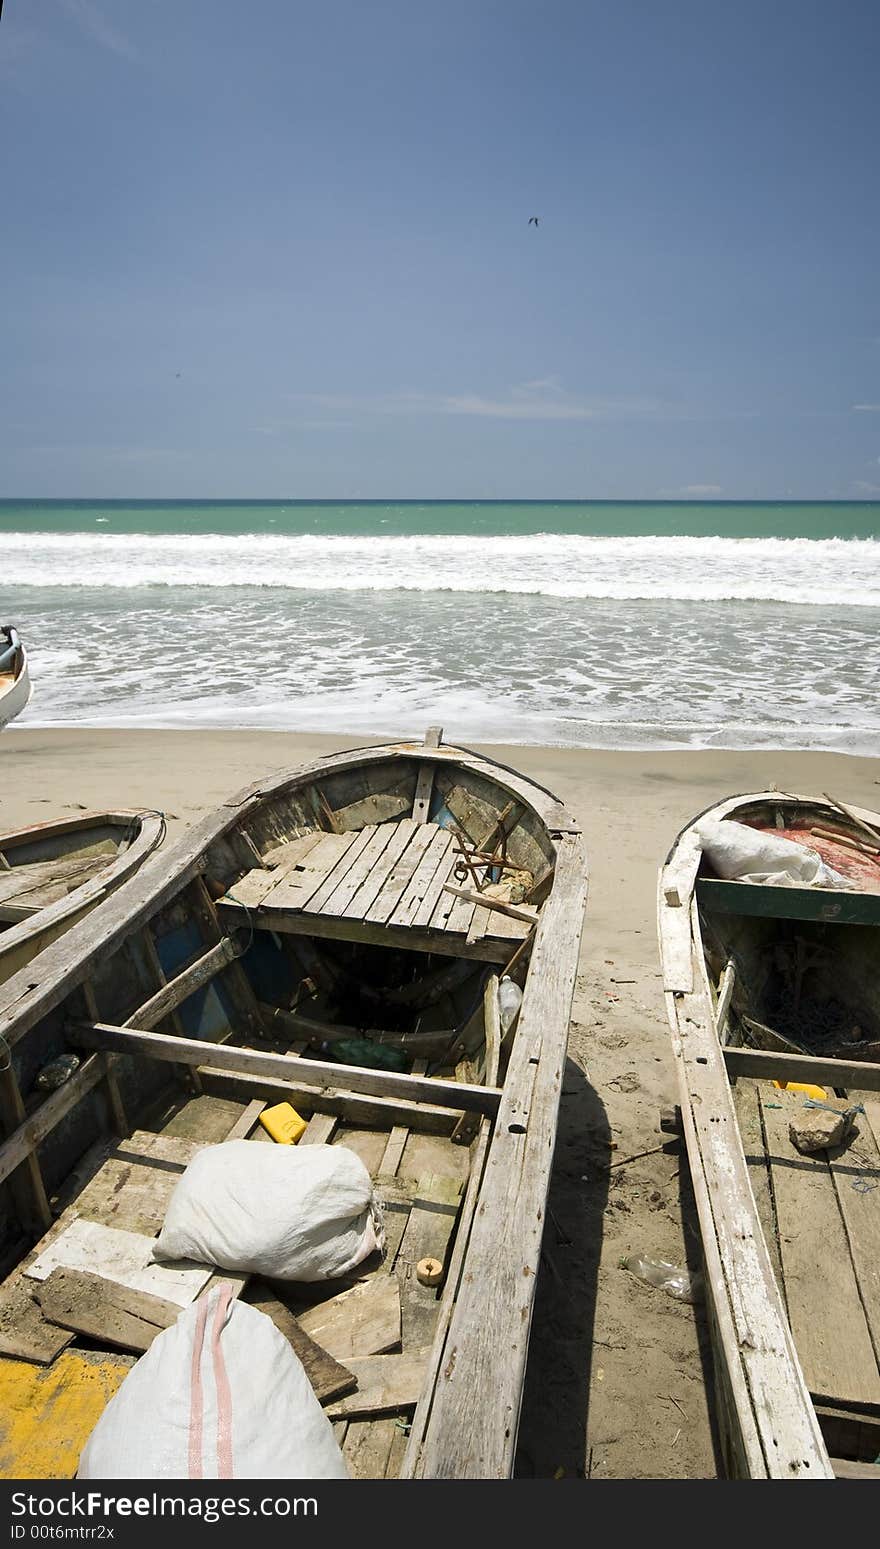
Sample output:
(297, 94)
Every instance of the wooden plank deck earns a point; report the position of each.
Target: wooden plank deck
(384, 883)
(828, 1242)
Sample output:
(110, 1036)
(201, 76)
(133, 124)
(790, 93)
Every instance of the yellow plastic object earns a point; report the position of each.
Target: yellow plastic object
(47, 1413)
(283, 1123)
(818, 1093)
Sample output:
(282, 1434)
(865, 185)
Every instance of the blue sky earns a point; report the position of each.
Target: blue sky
(280, 249)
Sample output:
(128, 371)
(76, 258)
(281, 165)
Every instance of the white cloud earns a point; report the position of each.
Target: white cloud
(90, 21)
(541, 400)
(864, 488)
(700, 489)
(866, 408)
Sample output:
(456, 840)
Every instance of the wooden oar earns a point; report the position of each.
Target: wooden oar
(853, 817)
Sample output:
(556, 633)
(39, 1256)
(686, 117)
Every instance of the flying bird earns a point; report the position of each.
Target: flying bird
(533, 220)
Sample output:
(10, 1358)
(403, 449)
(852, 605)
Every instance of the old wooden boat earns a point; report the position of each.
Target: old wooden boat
(51, 874)
(769, 989)
(344, 938)
(15, 684)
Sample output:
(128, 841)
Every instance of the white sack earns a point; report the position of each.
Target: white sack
(744, 854)
(287, 1212)
(218, 1395)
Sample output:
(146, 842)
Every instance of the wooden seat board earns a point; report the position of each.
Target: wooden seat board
(361, 840)
(296, 887)
(341, 900)
(855, 1169)
(368, 892)
(412, 905)
(821, 1290)
(390, 896)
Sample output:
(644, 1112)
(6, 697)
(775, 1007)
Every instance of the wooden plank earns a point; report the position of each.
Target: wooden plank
(394, 888)
(496, 905)
(371, 887)
(364, 1320)
(751, 1133)
(421, 907)
(845, 1469)
(248, 1120)
(452, 913)
(789, 903)
(122, 1256)
(338, 928)
(725, 996)
(24, 1332)
(426, 1236)
(26, 882)
(340, 900)
(393, 1151)
(824, 1307)
(775, 1065)
(183, 985)
(284, 857)
(855, 1169)
(104, 1310)
(311, 1073)
(329, 1378)
(368, 1447)
(385, 1383)
(294, 890)
(410, 1463)
(429, 1118)
(319, 1130)
(424, 786)
(361, 839)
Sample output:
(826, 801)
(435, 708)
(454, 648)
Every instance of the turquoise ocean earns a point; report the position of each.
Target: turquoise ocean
(600, 624)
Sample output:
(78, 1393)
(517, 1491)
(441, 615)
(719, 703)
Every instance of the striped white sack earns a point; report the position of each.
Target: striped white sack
(218, 1395)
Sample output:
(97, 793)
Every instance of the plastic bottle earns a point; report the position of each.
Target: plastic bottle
(676, 1282)
(509, 1001)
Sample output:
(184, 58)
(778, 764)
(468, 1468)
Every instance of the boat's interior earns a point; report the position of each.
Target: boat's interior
(802, 993)
(325, 952)
(39, 866)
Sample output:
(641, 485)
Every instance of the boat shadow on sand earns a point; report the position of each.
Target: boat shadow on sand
(554, 1433)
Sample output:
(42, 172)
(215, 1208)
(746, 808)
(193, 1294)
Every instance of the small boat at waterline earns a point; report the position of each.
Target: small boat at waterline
(15, 684)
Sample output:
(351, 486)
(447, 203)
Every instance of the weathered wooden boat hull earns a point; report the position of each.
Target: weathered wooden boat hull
(193, 968)
(52, 874)
(787, 1247)
(15, 683)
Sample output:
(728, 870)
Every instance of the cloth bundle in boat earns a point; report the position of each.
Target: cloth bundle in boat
(218, 1395)
(743, 854)
(286, 1212)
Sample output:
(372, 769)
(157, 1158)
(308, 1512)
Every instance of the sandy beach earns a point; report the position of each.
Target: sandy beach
(618, 1381)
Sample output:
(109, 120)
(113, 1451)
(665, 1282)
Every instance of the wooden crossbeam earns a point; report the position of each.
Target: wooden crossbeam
(184, 984)
(309, 1073)
(775, 1065)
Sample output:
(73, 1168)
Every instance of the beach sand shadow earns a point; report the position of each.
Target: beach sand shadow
(553, 1421)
